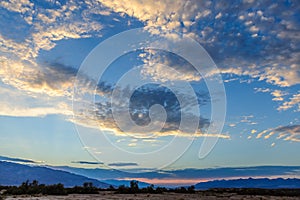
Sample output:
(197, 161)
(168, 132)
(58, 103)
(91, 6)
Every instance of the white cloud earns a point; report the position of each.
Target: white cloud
(272, 49)
(19, 111)
(21, 6)
(17, 103)
(294, 101)
(270, 56)
(218, 16)
(278, 95)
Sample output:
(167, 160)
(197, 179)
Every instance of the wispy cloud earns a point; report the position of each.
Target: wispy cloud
(87, 162)
(288, 133)
(294, 101)
(18, 160)
(121, 164)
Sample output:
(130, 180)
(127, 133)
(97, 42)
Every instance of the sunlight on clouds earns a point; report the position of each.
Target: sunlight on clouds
(273, 144)
(245, 47)
(21, 6)
(278, 67)
(65, 24)
(287, 133)
(35, 79)
(16, 103)
(278, 95)
(294, 101)
(157, 62)
(18, 111)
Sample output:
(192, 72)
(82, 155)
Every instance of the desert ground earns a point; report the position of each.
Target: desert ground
(172, 196)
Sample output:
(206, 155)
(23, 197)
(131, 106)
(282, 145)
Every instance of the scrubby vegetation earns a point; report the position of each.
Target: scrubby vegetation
(34, 188)
(134, 188)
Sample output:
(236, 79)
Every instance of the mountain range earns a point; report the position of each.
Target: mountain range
(14, 171)
(15, 174)
(264, 183)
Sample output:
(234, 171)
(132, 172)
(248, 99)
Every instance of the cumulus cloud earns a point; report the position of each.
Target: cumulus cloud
(294, 101)
(48, 23)
(159, 63)
(20, 6)
(286, 99)
(278, 95)
(261, 43)
(248, 45)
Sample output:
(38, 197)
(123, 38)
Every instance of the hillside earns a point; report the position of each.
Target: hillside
(15, 174)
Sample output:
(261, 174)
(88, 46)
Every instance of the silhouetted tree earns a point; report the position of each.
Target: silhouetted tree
(191, 189)
(134, 186)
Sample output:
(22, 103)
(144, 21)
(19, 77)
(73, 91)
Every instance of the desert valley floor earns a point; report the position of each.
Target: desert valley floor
(167, 196)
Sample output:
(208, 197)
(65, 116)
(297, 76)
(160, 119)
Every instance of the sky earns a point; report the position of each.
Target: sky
(69, 91)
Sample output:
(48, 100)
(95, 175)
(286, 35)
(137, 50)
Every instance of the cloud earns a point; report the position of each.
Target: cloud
(17, 160)
(260, 43)
(278, 95)
(247, 46)
(253, 131)
(287, 133)
(18, 103)
(248, 119)
(184, 70)
(87, 162)
(18, 111)
(47, 24)
(99, 115)
(21, 6)
(294, 101)
(281, 96)
(293, 132)
(32, 87)
(121, 164)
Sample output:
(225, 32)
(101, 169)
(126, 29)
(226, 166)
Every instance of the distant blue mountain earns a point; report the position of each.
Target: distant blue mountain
(12, 173)
(250, 183)
(211, 173)
(15, 174)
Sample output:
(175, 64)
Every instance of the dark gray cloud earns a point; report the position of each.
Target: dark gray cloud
(144, 97)
(87, 162)
(3, 158)
(288, 133)
(121, 164)
(289, 128)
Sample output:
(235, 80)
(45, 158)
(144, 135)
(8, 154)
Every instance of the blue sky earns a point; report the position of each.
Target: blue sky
(254, 44)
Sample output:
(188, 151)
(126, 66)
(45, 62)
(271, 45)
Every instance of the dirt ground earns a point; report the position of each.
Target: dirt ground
(166, 196)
